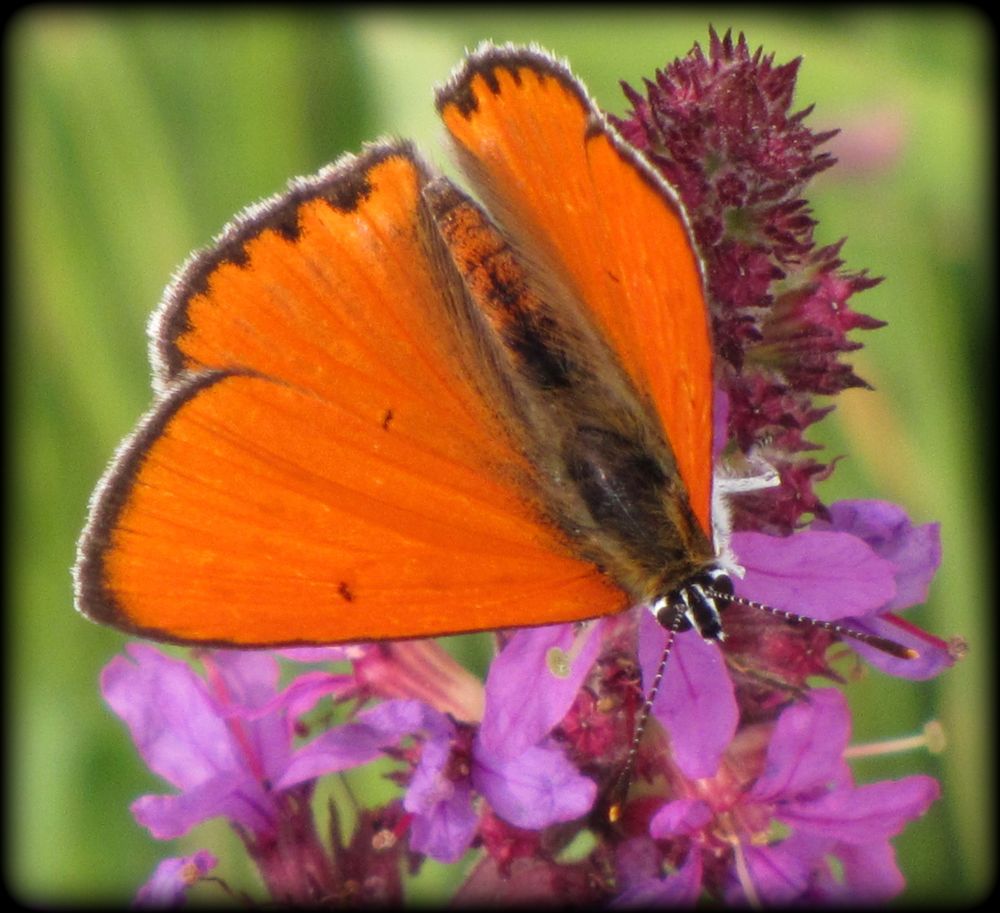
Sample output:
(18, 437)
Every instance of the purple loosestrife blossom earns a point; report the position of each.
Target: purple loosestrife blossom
(173, 878)
(855, 569)
(530, 788)
(763, 828)
(740, 790)
(223, 742)
(525, 778)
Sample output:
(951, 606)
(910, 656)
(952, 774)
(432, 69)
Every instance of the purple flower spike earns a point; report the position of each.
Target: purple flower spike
(719, 126)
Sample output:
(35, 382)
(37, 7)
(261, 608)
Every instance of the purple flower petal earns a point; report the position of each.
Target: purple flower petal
(779, 877)
(431, 784)
(825, 575)
(525, 696)
(361, 741)
(341, 748)
(397, 718)
(445, 829)
(863, 814)
(806, 749)
(249, 678)
(534, 790)
(696, 703)
(637, 859)
(224, 744)
(304, 691)
(444, 821)
(172, 878)
(241, 799)
(870, 874)
(244, 684)
(679, 889)
(914, 550)
(933, 657)
(174, 722)
(680, 817)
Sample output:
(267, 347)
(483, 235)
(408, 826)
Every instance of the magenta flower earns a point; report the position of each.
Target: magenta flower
(857, 568)
(914, 552)
(802, 784)
(173, 878)
(869, 559)
(444, 821)
(222, 745)
(525, 778)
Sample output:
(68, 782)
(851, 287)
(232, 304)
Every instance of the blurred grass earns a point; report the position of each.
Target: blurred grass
(134, 135)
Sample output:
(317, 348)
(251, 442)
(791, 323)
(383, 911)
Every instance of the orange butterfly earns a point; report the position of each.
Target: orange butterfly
(386, 410)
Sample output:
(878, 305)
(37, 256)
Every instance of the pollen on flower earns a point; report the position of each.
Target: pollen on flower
(558, 662)
(384, 839)
(958, 647)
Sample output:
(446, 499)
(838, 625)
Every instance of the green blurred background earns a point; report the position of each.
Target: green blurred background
(134, 135)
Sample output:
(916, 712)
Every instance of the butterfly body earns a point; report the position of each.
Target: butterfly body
(603, 471)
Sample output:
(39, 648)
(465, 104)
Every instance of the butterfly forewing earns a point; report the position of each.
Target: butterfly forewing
(320, 467)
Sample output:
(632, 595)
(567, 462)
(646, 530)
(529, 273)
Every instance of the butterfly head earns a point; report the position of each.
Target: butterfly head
(697, 603)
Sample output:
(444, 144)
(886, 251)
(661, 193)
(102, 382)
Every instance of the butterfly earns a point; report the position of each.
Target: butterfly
(387, 408)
